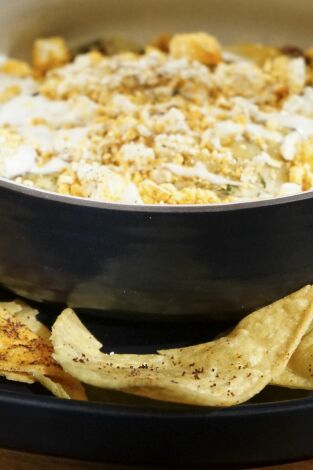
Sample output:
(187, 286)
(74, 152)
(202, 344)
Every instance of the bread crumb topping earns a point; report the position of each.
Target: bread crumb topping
(193, 123)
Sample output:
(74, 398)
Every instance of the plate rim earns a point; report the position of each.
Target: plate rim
(162, 411)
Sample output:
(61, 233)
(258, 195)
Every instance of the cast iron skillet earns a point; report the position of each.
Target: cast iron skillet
(219, 261)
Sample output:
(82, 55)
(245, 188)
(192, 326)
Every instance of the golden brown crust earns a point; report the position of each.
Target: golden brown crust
(49, 53)
(197, 46)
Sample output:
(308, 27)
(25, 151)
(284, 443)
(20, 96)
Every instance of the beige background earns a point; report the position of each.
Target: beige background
(278, 21)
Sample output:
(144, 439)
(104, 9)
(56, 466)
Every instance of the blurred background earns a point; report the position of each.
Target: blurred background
(268, 21)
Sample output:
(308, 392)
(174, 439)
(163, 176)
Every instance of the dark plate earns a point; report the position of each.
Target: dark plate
(275, 426)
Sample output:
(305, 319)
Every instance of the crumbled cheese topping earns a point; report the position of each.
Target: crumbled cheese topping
(195, 125)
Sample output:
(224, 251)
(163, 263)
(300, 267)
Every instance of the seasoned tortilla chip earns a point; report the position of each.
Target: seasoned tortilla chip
(28, 316)
(299, 371)
(26, 352)
(223, 372)
(22, 350)
(18, 377)
(69, 387)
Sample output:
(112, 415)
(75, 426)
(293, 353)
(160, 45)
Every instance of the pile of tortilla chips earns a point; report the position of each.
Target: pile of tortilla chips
(273, 345)
(26, 352)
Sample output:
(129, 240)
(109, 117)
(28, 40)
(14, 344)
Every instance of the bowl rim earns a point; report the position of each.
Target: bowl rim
(150, 208)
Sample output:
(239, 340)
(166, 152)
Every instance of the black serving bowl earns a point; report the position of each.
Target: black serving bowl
(219, 261)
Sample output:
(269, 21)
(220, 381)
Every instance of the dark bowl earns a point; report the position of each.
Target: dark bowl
(220, 261)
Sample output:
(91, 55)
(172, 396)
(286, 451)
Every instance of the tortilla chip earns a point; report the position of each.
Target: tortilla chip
(22, 350)
(26, 352)
(18, 377)
(28, 316)
(224, 372)
(68, 388)
(299, 371)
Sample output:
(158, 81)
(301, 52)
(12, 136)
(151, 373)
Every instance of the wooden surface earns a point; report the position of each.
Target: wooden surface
(11, 460)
